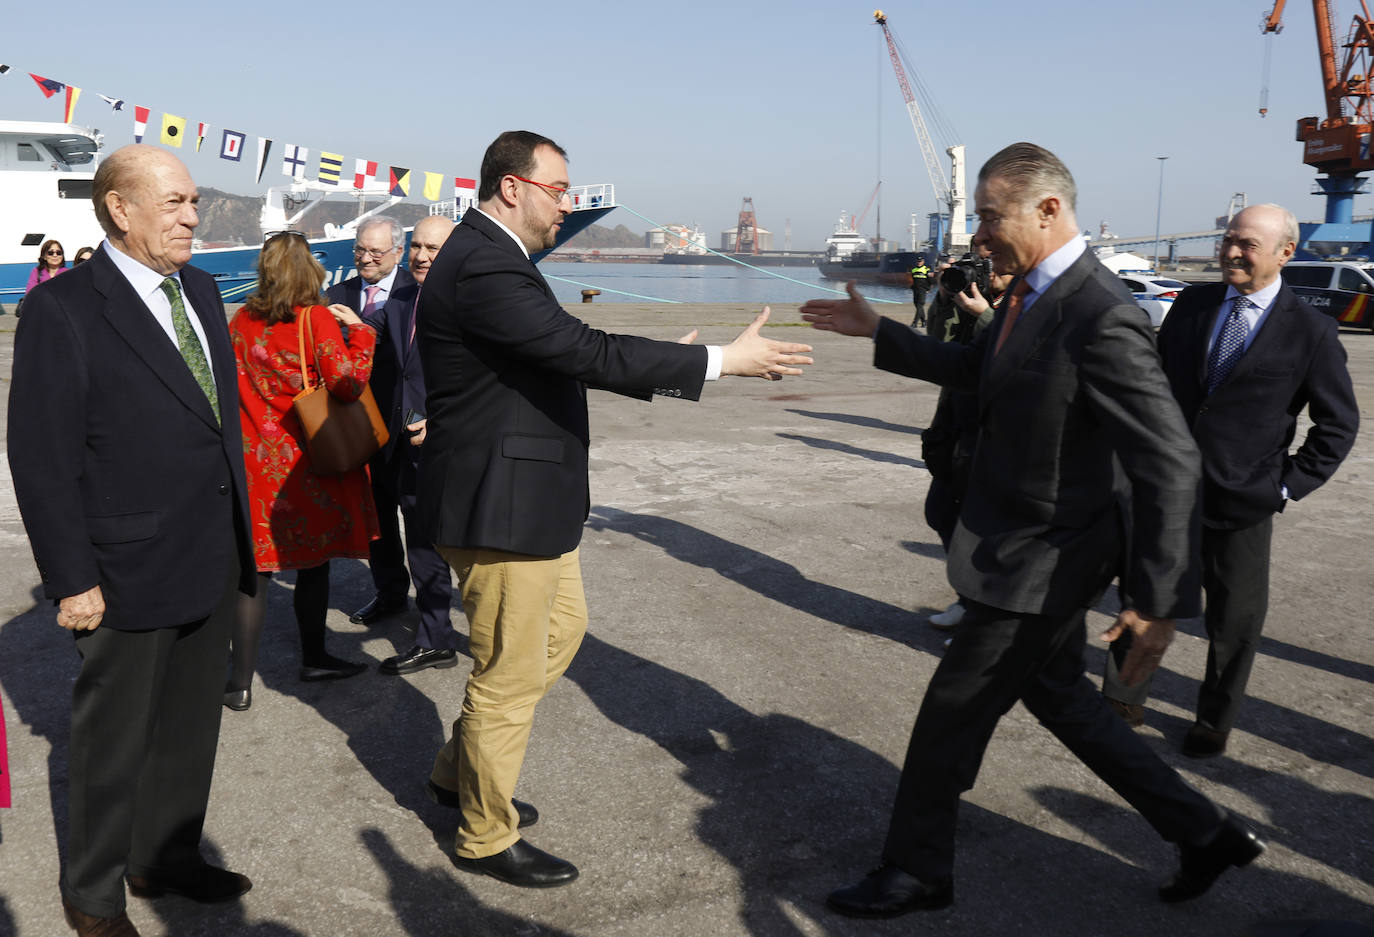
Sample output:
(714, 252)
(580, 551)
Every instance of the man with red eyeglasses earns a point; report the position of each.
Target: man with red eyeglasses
(504, 484)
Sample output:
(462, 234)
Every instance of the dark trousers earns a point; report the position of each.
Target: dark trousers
(393, 489)
(145, 724)
(996, 658)
(918, 298)
(1235, 579)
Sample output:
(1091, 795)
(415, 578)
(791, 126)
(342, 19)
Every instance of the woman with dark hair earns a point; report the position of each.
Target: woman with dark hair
(83, 255)
(301, 519)
(51, 262)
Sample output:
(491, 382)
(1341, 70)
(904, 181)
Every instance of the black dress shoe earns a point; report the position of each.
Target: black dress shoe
(211, 885)
(447, 798)
(380, 607)
(523, 865)
(888, 892)
(1199, 866)
(418, 658)
(1202, 742)
(238, 700)
(88, 925)
(330, 667)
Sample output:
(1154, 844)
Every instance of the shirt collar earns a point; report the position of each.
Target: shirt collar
(1053, 266)
(524, 250)
(144, 279)
(386, 282)
(1262, 299)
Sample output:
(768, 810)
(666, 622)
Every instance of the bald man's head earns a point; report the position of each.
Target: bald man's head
(1258, 242)
(429, 235)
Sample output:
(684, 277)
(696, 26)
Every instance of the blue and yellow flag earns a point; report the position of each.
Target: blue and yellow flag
(331, 164)
(400, 181)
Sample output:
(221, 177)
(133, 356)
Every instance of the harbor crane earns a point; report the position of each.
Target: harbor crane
(747, 229)
(949, 194)
(1338, 146)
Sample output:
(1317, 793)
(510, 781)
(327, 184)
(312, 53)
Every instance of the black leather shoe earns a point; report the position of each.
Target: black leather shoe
(88, 925)
(380, 607)
(210, 886)
(523, 865)
(1199, 866)
(418, 658)
(447, 798)
(887, 891)
(1202, 742)
(330, 667)
(238, 700)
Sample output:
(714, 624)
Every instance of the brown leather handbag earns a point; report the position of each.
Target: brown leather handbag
(340, 435)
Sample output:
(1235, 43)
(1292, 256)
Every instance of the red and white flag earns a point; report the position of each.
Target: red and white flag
(464, 192)
(140, 123)
(364, 171)
(202, 128)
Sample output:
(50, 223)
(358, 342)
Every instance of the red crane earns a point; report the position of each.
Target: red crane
(747, 230)
(1339, 143)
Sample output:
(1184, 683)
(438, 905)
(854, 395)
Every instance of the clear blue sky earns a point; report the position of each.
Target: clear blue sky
(689, 107)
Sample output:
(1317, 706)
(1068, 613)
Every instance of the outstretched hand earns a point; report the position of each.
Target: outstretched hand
(752, 355)
(852, 316)
(1150, 638)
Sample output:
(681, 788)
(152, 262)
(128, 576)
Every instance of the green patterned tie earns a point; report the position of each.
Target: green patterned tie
(189, 345)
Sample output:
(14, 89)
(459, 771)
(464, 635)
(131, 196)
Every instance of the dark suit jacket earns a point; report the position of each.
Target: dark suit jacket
(1245, 427)
(397, 382)
(1075, 396)
(507, 368)
(124, 478)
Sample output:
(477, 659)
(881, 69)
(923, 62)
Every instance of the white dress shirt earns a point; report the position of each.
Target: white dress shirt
(147, 283)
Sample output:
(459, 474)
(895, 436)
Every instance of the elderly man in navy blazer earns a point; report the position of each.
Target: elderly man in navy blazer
(504, 487)
(127, 459)
(1244, 357)
(1070, 394)
(385, 295)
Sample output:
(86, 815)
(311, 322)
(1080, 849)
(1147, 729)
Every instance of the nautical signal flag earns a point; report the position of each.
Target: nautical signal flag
(47, 85)
(434, 183)
(400, 181)
(115, 103)
(3, 69)
(231, 146)
(464, 192)
(293, 161)
(264, 151)
(73, 92)
(202, 128)
(364, 171)
(140, 123)
(331, 164)
(173, 130)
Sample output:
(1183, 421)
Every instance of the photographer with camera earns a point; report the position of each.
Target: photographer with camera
(966, 298)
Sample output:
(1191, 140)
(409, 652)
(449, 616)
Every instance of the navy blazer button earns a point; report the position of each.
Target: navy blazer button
(224, 489)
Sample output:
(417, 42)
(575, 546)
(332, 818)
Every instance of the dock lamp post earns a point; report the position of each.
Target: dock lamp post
(1159, 205)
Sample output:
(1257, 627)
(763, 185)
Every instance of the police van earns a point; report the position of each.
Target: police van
(1342, 289)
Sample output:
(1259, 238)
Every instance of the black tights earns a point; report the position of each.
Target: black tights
(311, 601)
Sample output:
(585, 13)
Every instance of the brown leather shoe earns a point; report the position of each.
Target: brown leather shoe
(88, 925)
(210, 886)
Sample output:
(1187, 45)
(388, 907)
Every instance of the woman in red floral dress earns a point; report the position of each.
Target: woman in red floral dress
(301, 520)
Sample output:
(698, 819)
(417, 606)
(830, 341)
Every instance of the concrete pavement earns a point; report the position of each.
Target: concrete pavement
(724, 750)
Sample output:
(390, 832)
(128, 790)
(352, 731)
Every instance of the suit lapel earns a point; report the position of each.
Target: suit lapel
(210, 310)
(128, 315)
(1029, 332)
(1271, 331)
(484, 224)
(1202, 323)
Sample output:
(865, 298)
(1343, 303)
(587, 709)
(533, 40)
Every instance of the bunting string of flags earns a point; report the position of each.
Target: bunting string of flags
(295, 158)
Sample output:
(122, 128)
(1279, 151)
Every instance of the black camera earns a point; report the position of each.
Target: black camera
(967, 269)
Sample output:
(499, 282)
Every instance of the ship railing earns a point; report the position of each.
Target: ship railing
(584, 198)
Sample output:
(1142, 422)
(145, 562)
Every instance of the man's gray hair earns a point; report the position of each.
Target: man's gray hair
(398, 234)
(1034, 174)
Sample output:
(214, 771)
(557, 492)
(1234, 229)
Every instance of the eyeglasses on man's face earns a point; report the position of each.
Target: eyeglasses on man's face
(556, 193)
(374, 253)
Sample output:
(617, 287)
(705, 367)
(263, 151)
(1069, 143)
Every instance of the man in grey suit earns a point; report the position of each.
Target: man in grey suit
(1069, 388)
(1244, 357)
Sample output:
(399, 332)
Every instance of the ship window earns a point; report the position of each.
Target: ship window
(74, 188)
(28, 153)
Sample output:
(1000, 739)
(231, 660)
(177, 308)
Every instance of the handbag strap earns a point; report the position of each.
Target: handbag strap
(306, 386)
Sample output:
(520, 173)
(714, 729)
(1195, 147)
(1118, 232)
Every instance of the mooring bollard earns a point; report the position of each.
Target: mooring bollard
(588, 294)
